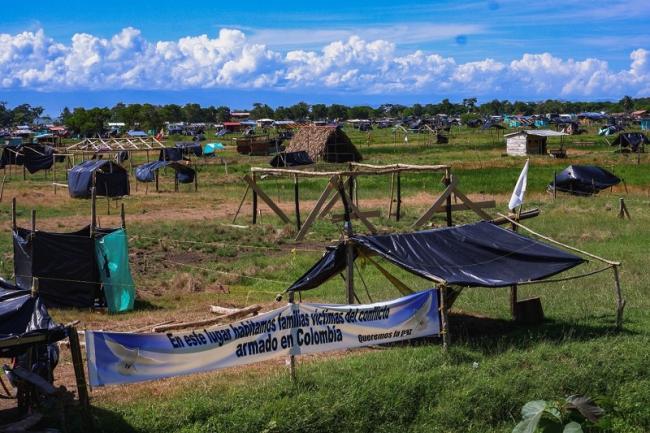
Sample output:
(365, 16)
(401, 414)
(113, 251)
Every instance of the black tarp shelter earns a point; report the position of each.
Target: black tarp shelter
(147, 172)
(109, 178)
(171, 154)
(291, 159)
(74, 269)
(472, 255)
(634, 141)
(189, 148)
(38, 157)
(583, 180)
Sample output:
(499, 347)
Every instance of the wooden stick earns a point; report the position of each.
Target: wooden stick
(398, 205)
(426, 216)
(444, 317)
(593, 256)
(33, 221)
(331, 184)
(258, 191)
(296, 197)
(77, 363)
(216, 309)
(13, 213)
(620, 302)
(93, 211)
(241, 203)
(390, 203)
(253, 309)
(2, 187)
(122, 216)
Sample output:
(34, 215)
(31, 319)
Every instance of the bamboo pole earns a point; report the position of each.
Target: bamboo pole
(593, 256)
(444, 317)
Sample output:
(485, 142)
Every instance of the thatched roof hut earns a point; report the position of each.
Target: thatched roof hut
(328, 143)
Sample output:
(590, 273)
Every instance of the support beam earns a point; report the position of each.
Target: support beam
(331, 185)
(426, 216)
(266, 199)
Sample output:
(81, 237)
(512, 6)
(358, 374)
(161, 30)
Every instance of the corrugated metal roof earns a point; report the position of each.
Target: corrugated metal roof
(538, 132)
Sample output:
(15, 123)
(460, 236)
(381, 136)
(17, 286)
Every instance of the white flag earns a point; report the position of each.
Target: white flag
(520, 189)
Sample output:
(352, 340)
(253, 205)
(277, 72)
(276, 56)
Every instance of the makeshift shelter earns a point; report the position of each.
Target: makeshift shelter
(189, 148)
(137, 133)
(529, 142)
(75, 269)
(210, 148)
(472, 255)
(631, 142)
(328, 143)
(583, 180)
(109, 179)
(182, 173)
(645, 124)
(291, 159)
(38, 157)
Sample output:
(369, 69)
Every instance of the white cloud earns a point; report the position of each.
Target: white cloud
(34, 61)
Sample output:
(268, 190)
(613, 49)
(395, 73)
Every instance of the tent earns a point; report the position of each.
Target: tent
(211, 148)
(583, 180)
(136, 133)
(471, 255)
(171, 154)
(147, 172)
(75, 269)
(328, 143)
(635, 141)
(109, 178)
(189, 148)
(291, 159)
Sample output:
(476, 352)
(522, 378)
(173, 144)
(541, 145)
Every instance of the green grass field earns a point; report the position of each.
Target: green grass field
(493, 366)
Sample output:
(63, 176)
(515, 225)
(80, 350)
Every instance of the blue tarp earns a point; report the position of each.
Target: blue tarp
(211, 148)
(480, 254)
(134, 133)
(147, 172)
(111, 179)
(112, 252)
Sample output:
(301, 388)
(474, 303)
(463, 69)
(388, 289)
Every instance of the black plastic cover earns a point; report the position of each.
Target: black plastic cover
(472, 255)
(291, 159)
(111, 179)
(38, 157)
(147, 172)
(583, 180)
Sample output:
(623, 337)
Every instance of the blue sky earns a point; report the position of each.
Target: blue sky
(78, 53)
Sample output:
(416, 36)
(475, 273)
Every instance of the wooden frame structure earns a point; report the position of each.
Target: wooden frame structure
(330, 196)
(96, 145)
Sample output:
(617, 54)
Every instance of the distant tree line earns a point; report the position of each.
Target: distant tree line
(90, 121)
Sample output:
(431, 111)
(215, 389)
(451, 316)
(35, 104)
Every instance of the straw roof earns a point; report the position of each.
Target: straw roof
(328, 143)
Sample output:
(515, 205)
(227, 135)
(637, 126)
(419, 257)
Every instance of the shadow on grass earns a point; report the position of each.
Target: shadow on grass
(493, 336)
(144, 305)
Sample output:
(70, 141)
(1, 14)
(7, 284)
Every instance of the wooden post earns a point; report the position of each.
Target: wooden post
(241, 203)
(156, 171)
(34, 292)
(513, 288)
(554, 184)
(77, 363)
(392, 193)
(13, 213)
(254, 201)
(398, 207)
(292, 358)
(93, 211)
(620, 302)
(296, 196)
(33, 222)
(447, 181)
(24, 173)
(444, 317)
(349, 279)
(196, 180)
(123, 216)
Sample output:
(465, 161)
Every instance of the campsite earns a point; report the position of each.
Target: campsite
(218, 242)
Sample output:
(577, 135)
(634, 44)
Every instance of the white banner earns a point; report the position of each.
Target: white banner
(118, 357)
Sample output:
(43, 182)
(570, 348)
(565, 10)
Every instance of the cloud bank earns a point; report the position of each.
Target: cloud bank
(34, 61)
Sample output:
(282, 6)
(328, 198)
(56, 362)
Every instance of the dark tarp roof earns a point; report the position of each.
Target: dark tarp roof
(24, 315)
(65, 264)
(480, 254)
(171, 154)
(38, 157)
(111, 179)
(584, 180)
(190, 147)
(147, 172)
(291, 159)
(631, 139)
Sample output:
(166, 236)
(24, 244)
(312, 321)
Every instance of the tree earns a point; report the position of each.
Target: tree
(319, 112)
(470, 104)
(261, 111)
(627, 103)
(222, 114)
(360, 112)
(337, 111)
(299, 111)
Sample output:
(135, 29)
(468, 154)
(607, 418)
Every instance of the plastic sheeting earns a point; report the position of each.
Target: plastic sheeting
(25, 316)
(113, 259)
(111, 179)
(171, 154)
(291, 159)
(38, 157)
(472, 255)
(189, 148)
(71, 267)
(147, 172)
(211, 148)
(630, 139)
(583, 180)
